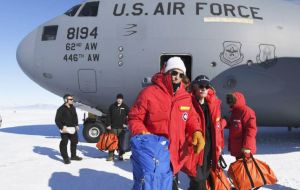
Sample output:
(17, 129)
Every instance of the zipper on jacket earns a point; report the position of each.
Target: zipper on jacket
(170, 114)
(142, 183)
(156, 163)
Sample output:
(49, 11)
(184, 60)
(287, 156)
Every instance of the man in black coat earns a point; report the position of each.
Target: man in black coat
(116, 121)
(67, 121)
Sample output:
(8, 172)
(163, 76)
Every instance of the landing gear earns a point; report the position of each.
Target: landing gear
(93, 128)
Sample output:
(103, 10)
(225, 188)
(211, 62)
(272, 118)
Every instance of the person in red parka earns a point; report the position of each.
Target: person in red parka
(165, 109)
(208, 107)
(242, 126)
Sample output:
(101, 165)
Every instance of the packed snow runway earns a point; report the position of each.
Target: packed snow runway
(30, 157)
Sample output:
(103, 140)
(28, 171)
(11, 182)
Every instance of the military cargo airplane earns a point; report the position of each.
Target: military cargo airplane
(100, 48)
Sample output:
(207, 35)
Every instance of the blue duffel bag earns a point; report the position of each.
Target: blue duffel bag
(151, 163)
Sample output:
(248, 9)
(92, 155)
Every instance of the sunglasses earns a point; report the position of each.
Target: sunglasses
(175, 73)
(203, 87)
(70, 99)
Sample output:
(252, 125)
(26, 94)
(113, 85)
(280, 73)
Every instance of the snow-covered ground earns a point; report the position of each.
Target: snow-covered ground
(30, 158)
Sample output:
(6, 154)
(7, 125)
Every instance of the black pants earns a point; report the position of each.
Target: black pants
(64, 143)
(199, 182)
(175, 182)
(116, 132)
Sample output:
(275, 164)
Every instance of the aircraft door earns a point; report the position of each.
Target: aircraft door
(87, 80)
(187, 59)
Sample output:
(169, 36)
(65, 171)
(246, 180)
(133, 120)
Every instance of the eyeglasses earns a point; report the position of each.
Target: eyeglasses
(70, 99)
(203, 87)
(175, 73)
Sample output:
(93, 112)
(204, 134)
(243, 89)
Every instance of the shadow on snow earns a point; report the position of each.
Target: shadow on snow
(88, 179)
(87, 151)
(49, 131)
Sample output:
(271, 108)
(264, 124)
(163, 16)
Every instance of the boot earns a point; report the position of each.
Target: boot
(120, 158)
(67, 161)
(76, 158)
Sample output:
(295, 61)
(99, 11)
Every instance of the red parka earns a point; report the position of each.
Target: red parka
(158, 111)
(242, 127)
(217, 126)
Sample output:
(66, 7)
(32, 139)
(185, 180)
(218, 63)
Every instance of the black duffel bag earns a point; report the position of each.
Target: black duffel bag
(124, 140)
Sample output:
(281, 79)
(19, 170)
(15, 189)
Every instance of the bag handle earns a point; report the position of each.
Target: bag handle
(108, 146)
(222, 162)
(106, 142)
(219, 176)
(259, 170)
(248, 172)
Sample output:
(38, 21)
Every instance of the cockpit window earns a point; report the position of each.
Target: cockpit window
(49, 33)
(73, 10)
(90, 9)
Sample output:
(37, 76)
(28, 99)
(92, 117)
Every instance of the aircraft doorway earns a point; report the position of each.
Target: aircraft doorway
(187, 59)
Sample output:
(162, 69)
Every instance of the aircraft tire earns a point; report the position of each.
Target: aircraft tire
(92, 131)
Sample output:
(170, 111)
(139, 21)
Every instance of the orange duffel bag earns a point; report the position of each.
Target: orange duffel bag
(107, 141)
(250, 173)
(217, 181)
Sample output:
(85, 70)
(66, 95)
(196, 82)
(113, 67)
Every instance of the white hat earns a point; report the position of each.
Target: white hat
(175, 63)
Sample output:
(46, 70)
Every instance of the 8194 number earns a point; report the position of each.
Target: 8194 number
(81, 33)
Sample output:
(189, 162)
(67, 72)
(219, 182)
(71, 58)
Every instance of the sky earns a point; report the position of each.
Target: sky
(18, 18)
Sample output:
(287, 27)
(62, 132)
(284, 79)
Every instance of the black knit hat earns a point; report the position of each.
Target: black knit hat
(120, 96)
(201, 80)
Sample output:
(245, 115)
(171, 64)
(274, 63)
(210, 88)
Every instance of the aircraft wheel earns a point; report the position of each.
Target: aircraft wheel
(92, 131)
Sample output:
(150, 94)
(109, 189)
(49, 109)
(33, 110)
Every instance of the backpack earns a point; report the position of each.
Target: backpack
(150, 160)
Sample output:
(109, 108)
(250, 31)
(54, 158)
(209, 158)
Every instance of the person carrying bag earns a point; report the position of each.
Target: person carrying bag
(116, 121)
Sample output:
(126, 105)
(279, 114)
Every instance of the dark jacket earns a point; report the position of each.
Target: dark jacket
(117, 115)
(66, 117)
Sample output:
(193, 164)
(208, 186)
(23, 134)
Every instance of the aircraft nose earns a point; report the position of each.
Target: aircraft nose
(25, 53)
